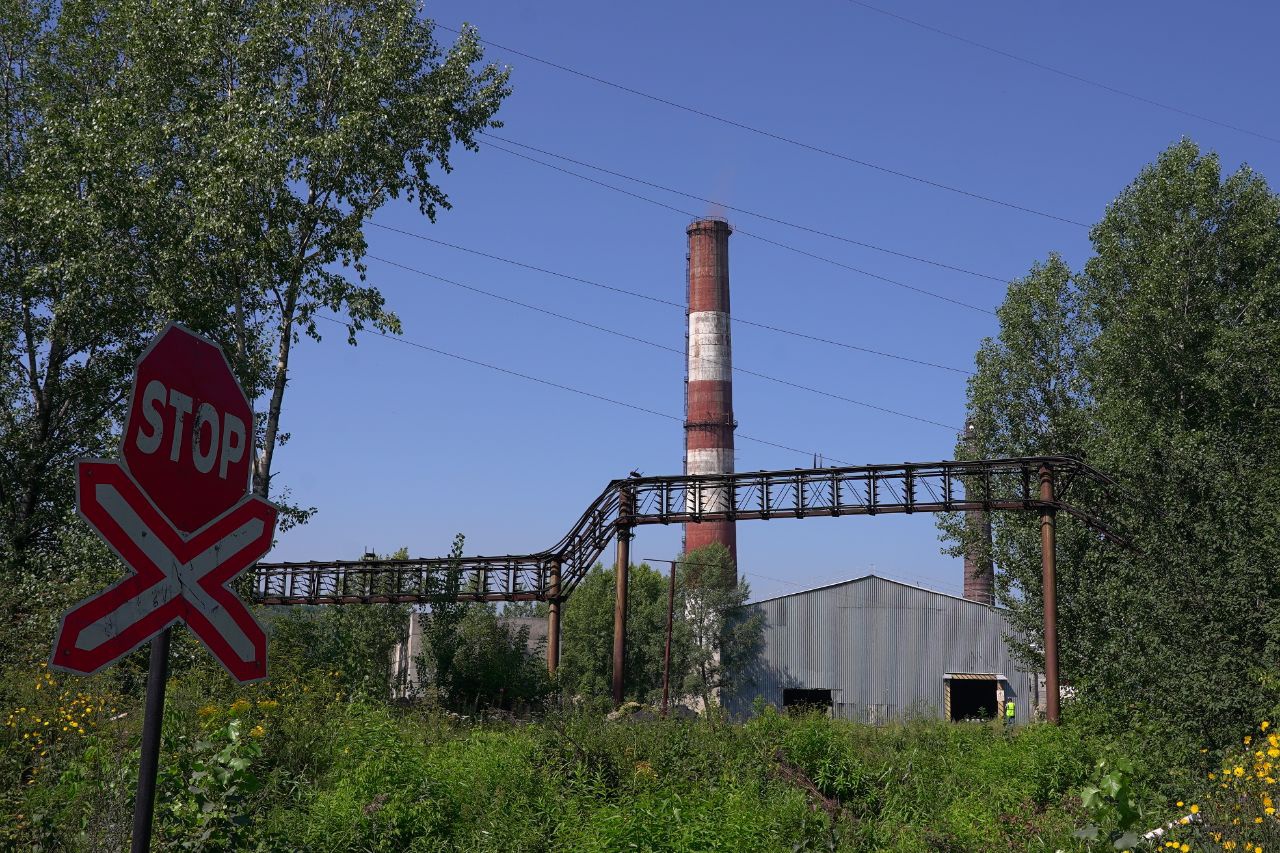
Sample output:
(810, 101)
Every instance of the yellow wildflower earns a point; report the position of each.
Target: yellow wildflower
(208, 711)
(257, 731)
(1195, 809)
(239, 706)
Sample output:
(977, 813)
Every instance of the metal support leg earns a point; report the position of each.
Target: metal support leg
(620, 611)
(1050, 591)
(553, 620)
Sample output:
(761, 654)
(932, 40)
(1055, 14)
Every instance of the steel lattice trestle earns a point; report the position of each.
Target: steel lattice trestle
(988, 485)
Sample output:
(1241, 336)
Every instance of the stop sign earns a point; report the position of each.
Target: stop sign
(189, 429)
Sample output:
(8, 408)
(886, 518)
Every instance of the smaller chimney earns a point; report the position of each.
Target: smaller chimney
(979, 571)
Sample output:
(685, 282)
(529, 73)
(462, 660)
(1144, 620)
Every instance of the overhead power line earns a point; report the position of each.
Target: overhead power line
(778, 136)
(657, 345)
(1062, 73)
(787, 246)
(559, 386)
(645, 296)
(766, 217)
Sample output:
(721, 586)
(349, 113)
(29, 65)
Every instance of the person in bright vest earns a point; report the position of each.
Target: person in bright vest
(1008, 712)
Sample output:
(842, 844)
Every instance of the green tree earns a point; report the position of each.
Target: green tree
(214, 164)
(355, 642)
(493, 664)
(719, 637)
(586, 651)
(1157, 363)
(441, 624)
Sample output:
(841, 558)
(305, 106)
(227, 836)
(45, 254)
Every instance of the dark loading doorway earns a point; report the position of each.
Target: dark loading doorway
(973, 698)
(806, 700)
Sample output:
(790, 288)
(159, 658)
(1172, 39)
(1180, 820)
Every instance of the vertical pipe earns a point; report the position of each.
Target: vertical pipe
(666, 653)
(144, 803)
(620, 610)
(553, 619)
(1050, 591)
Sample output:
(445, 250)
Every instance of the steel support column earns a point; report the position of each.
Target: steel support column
(553, 618)
(621, 573)
(1050, 592)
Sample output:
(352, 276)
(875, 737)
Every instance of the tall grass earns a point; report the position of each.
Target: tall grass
(321, 771)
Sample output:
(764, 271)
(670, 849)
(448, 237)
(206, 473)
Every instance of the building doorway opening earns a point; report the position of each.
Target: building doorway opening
(972, 698)
(805, 700)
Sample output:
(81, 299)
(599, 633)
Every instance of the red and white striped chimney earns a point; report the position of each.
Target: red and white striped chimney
(709, 424)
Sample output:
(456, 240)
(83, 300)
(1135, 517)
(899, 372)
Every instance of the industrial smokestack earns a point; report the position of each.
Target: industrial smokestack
(979, 571)
(709, 423)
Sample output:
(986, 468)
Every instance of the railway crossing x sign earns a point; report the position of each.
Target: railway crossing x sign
(176, 509)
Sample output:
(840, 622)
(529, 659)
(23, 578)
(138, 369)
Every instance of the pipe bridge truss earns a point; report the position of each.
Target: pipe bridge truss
(987, 485)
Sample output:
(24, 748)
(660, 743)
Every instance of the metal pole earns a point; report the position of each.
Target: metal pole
(620, 611)
(1050, 591)
(666, 654)
(144, 803)
(553, 620)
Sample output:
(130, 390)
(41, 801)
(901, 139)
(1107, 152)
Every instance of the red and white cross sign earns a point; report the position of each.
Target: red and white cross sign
(176, 509)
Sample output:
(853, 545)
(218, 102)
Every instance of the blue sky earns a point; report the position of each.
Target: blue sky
(401, 447)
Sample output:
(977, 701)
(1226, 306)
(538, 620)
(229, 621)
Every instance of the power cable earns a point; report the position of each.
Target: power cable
(775, 136)
(1060, 72)
(559, 386)
(660, 301)
(657, 345)
(744, 211)
(750, 234)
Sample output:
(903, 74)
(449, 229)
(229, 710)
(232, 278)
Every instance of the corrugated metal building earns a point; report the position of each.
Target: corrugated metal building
(875, 650)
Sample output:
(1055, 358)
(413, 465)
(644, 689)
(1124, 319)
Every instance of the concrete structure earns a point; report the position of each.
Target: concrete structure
(877, 650)
(709, 422)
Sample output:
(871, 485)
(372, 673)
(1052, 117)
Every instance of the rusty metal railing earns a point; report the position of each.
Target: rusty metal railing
(991, 485)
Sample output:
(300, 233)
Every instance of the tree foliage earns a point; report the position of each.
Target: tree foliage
(214, 164)
(493, 663)
(586, 656)
(1156, 362)
(713, 637)
(723, 638)
(351, 644)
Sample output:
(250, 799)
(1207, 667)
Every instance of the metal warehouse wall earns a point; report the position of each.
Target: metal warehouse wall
(882, 648)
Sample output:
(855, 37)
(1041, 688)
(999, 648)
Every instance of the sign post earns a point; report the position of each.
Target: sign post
(176, 509)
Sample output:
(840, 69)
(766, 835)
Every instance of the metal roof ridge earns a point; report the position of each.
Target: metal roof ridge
(872, 576)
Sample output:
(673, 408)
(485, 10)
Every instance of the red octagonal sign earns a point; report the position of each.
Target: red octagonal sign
(189, 430)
